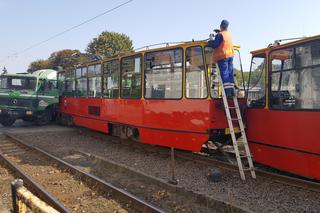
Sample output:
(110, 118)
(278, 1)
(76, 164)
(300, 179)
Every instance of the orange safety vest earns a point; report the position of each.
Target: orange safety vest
(225, 49)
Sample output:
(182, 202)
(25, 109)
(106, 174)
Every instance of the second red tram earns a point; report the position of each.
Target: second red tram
(283, 115)
(165, 96)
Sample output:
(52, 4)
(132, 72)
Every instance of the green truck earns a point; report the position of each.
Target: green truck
(28, 96)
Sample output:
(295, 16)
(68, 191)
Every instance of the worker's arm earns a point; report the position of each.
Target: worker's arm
(216, 42)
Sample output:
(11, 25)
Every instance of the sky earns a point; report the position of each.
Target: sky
(253, 24)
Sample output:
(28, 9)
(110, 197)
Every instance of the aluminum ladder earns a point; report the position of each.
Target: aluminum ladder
(237, 143)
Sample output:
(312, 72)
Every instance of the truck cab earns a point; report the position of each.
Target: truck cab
(30, 97)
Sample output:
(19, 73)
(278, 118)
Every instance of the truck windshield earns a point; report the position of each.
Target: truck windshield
(17, 83)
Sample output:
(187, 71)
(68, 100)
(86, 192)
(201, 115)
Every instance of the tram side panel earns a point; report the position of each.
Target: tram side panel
(286, 140)
(181, 124)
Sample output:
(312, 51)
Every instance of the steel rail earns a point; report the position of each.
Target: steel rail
(292, 181)
(34, 186)
(135, 202)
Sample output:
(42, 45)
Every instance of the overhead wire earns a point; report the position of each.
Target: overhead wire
(65, 31)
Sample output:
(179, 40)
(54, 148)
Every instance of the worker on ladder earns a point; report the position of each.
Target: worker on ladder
(223, 55)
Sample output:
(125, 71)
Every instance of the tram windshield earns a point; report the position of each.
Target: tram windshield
(256, 90)
(295, 77)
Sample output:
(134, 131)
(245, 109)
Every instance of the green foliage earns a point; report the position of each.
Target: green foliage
(109, 44)
(38, 65)
(65, 59)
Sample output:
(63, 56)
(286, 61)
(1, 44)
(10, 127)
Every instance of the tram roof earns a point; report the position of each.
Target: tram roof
(152, 48)
(288, 44)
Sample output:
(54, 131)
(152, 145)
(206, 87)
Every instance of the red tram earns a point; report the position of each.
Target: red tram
(283, 115)
(164, 96)
(169, 96)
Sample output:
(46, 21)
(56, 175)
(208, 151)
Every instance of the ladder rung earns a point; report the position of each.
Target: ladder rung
(248, 169)
(235, 119)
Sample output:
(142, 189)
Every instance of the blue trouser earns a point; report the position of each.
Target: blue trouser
(226, 72)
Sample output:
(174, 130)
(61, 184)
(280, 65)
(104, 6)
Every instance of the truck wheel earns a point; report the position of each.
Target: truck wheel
(7, 121)
(44, 118)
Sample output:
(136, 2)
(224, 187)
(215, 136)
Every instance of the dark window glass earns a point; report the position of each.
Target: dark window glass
(70, 82)
(297, 85)
(257, 82)
(308, 54)
(196, 86)
(131, 77)
(82, 87)
(163, 74)
(111, 79)
(61, 82)
(91, 71)
(94, 80)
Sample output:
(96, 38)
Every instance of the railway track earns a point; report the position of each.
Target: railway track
(32, 164)
(209, 160)
(284, 179)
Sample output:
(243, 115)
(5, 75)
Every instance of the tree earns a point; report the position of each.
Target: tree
(67, 59)
(109, 44)
(38, 65)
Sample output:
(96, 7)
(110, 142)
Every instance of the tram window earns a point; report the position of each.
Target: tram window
(94, 81)
(196, 86)
(97, 69)
(61, 82)
(299, 86)
(257, 82)
(81, 86)
(78, 73)
(211, 66)
(111, 79)
(91, 71)
(163, 74)
(308, 54)
(94, 86)
(282, 60)
(131, 77)
(70, 83)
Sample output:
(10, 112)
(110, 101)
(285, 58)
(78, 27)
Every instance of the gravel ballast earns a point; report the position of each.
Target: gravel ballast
(261, 195)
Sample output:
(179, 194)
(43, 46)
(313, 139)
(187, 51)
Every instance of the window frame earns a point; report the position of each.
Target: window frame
(95, 75)
(205, 72)
(69, 79)
(294, 68)
(83, 76)
(266, 81)
(182, 73)
(104, 76)
(141, 74)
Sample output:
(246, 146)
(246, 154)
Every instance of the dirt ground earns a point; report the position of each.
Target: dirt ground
(5, 190)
